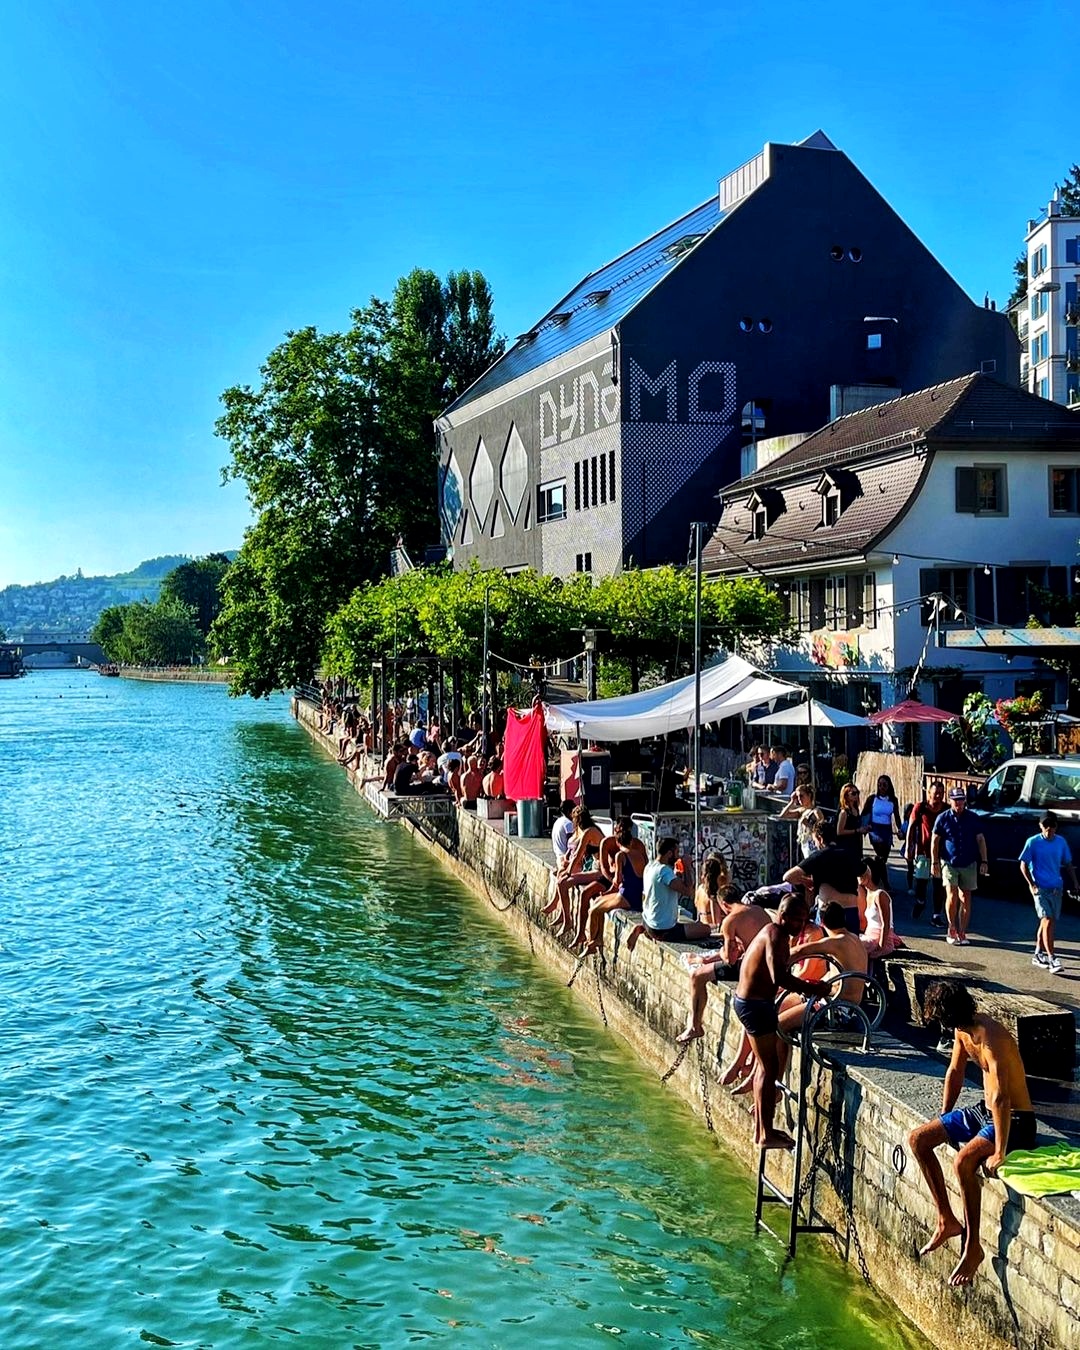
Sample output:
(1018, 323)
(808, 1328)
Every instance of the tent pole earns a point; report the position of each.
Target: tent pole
(813, 762)
(580, 768)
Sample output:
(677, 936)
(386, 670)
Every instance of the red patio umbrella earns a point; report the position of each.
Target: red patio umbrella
(911, 710)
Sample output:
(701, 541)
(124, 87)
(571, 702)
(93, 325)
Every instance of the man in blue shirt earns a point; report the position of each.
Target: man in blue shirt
(1042, 860)
(663, 885)
(960, 837)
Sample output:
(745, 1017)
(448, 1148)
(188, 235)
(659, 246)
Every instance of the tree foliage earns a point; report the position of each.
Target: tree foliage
(337, 450)
(145, 634)
(198, 585)
(646, 620)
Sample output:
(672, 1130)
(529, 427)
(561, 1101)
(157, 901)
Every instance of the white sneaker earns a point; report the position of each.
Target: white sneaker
(1055, 966)
(952, 941)
(1040, 959)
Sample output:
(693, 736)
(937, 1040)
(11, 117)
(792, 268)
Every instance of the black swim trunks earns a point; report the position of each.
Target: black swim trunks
(758, 1015)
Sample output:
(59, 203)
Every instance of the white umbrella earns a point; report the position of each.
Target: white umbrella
(810, 714)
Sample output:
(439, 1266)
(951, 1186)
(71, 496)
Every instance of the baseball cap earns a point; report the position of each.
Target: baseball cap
(957, 794)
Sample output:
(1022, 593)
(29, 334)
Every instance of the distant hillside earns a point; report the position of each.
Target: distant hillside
(72, 604)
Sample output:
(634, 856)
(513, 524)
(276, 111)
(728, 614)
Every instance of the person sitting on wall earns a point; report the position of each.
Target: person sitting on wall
(562, 832)
(738, 929)
(765, 970)
(579, 867)
(981, 1134)
(406, 775)
(494, 784)
(385, 780)
(841, 944)
(627, 882)
(711, 897)
(449, 755)
(472, 782)
(663, 886)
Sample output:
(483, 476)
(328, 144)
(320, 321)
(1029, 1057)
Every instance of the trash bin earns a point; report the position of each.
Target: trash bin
(530, 818)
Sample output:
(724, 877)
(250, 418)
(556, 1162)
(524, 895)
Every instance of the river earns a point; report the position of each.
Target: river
(271, 1076)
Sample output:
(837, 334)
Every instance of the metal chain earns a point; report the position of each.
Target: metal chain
(678, 1060)
(600, 993)
(577, 969)
(704, 1081)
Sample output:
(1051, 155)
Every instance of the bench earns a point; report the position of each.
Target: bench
(1045, 1032)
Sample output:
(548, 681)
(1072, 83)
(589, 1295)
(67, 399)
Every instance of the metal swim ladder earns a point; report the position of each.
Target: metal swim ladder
(835, 1020)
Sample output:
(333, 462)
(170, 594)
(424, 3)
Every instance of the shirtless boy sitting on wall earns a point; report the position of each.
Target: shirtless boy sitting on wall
(982, 1134)
(763, 972)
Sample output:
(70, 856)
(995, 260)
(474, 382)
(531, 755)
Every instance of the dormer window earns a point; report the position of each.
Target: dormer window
(760, 516)
(837, 489)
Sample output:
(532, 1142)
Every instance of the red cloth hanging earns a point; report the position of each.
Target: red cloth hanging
(525, 754)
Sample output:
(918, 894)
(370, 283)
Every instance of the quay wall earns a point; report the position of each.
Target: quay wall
(1027, 1293)
(176, 674)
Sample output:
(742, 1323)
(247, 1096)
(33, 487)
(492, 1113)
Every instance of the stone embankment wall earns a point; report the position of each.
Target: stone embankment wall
(862, 1108)
(176, 674)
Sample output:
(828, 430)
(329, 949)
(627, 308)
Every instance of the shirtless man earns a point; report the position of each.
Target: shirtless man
(841, 944)
(982, 1134)
(764, 971)
(737, 931)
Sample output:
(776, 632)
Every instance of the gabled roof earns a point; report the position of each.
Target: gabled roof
(889, 447)
(598, 301)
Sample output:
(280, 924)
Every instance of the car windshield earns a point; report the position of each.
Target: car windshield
(1056, 785)
(1003, 789)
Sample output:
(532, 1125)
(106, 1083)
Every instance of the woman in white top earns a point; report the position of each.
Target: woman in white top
(879, 937)
(882, 815)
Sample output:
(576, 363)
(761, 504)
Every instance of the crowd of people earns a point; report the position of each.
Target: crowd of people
(776, 945)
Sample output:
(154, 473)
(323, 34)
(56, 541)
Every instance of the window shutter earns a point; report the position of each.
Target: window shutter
(966, 501)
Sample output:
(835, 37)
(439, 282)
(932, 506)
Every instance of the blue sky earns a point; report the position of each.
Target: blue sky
(181, 185)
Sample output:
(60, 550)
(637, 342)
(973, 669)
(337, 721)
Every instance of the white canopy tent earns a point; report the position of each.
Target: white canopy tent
(727, 690)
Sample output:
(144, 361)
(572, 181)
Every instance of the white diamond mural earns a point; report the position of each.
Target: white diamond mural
(514, 472)
(481, 484)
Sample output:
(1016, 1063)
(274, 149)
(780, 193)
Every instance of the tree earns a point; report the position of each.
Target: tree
(1020, 280)
(337, 450)
(108, 631)
(1069, 192)
(198, 584)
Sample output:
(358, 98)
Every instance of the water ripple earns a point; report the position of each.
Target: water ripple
(272, 1076)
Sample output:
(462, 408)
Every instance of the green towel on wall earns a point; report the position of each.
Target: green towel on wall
(1050, 1169)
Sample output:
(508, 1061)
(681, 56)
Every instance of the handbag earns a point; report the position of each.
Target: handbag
(922, 868)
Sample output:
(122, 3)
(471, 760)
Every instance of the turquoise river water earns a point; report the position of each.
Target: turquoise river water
(272, 1077)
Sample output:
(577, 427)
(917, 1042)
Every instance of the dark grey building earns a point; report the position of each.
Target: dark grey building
(793, 294)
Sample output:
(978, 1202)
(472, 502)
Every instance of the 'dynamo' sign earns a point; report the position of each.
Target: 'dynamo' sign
(585, 402)
(589, 399)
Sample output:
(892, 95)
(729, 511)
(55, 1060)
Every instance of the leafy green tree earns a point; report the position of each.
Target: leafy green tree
(198, 584)
(108, 631)
(337, 450)
(1020, 279)
(1069, 192)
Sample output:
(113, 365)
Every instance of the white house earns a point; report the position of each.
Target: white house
(957, 507)
(1048, 317)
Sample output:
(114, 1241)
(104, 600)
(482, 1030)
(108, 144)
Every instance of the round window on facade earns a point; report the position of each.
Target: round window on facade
(855, 254)
(836, 253)
(765, 325)
(747, 325)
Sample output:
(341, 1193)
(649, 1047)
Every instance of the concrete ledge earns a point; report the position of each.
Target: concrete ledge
(1045, 1032)
(861, 1109)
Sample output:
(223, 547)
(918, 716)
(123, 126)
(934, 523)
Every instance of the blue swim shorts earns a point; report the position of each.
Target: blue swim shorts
(758, 1015)
(973, 1122)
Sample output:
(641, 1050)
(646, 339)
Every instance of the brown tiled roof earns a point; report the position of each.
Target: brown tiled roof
(891, 446)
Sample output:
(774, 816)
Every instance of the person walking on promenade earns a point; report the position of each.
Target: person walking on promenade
(982, 1134)
(960, 836)
(1043, 859)
(882, 815)
(763, 972)
(917, 851)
